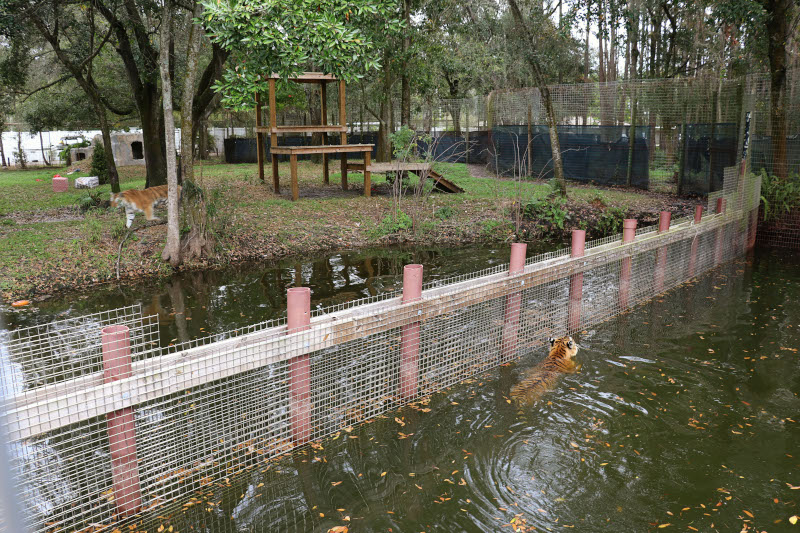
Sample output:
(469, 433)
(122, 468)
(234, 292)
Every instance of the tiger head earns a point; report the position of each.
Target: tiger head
(563, 348)
(115, 198)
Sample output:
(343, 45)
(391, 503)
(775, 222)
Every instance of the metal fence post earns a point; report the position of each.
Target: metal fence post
(298, 318)
(116, 343)
(720, 209)
(513, 304)
(664, 220)
(576, 282)
(410, 335)
(698, 218)
(628, 236)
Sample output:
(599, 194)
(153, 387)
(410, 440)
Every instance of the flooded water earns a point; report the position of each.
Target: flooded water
(685, 416)
(197, 304)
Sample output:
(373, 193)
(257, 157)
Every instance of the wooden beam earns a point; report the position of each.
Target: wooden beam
(295, 185)
(343, 134)
(306, 77)
(273, 139)
(323, 98)
(259, 139)
(328, 149)
(62, 404)
(282, 130)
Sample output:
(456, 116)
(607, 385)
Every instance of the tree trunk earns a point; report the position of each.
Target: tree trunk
(187, 101)
(544, 91)
(778, 33)
(634, 57)
(2, 149)
(41, 145)
(405, 93)
(20, 153)
(153, 137)
(586, 60)
(172, 249)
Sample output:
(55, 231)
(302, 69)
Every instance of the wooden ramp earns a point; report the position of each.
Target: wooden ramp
(423, 170)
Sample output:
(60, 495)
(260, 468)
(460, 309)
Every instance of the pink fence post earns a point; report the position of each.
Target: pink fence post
(410, 335)
(664, 221)
(628, 235)
(116, 343)
(298, 318)
(720, 209)
(513, 304)
(698, 218)
(576, 282)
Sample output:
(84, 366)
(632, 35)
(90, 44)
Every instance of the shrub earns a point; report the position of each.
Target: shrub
(779, 196)
(99, 166)
(394, 223)
(610, 221)
(89, 200)
(444, 212)
(548, 211)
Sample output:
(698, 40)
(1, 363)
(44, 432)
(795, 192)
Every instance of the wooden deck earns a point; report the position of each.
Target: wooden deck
(423, 170)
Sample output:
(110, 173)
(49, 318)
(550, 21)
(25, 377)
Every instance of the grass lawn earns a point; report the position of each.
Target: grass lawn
(47, 244)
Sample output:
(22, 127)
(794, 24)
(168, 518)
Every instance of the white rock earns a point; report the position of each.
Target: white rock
(88, 182)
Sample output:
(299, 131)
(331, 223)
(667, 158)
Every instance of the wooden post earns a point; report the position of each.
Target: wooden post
(367, 174)
(410, 336)
(628, 236)
(259, 139)
(698, 218)
(121, 424)
(513, 305)
(298, 318)
(293, 169)
(343, 134)
(664, 220)
(576, 282)
(273, 136)
(324, 100)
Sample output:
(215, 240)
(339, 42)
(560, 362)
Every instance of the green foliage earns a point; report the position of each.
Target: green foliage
(444, 212)
(610, 221)
(90, 200)
(119, 229)
(394, 223)
(99, 165)
(779, 196)
(284, 35)
(497, 229)
(93, 229)
(548, 210)
(7, 222)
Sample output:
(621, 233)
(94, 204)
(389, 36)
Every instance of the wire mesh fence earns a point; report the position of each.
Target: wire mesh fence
(107, 430)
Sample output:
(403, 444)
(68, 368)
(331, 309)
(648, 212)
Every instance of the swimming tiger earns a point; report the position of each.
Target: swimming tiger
(538, 379)
(136, 201)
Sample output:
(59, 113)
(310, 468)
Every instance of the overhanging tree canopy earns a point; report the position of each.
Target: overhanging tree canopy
(288, 36)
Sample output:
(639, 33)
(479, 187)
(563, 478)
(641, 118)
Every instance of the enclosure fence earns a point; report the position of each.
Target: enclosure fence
(106, 428)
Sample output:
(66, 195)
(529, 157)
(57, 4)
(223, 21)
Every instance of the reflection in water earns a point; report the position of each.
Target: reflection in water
(197, 304)
(685, 413)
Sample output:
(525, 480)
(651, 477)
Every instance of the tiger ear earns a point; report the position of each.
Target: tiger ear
(552, 341)
(570, 344)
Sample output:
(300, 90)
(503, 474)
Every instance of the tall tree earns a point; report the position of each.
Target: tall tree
(172, 250)
(544, 91)
(779, 12)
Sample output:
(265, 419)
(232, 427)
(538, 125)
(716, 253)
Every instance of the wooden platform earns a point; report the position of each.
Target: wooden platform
(423, 170)
(325, 149)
